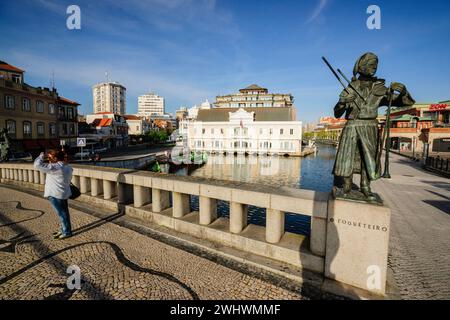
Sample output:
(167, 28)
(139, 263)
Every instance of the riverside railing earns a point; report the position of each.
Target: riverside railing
(340, 229)
(146, 195)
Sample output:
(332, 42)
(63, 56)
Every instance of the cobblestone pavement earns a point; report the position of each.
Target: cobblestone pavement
(115, 262)
(419, 253)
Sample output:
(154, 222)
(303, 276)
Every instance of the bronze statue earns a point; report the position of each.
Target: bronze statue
(360, 144)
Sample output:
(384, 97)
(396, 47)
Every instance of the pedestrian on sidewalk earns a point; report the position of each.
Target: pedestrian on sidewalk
(57, 187)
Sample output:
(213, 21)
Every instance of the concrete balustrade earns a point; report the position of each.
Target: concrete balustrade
(208, 210)
(131, 191)
(238, 217)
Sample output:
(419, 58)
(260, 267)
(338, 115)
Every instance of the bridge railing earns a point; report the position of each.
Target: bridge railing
(140, 188)
(164, 200)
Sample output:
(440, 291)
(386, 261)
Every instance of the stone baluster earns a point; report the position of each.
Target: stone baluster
(85, 185)
(109, 189)
(41, 177)
(274, 225)
(181, 204)
(30, 176)
(160, 200)
(36, 176)
(238, 217)
(96, 187)
(15, 174)
(208, 210)
(20, 175)
(24, 175)
(142, 195)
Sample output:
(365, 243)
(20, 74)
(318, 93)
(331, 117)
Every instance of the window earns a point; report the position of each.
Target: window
(52, 129)
(11, 127)
(9, 102)
(26, 106)
(64, 128)
(39, 106)
(51, 108)
(221, 130)
(40, 129)
(281, 131)
(260, 131)
(212, 131)
(292, 131)
(16, 78)
(270, 131)
(27, 129)
(70, 113)
(72, 129)
(203, 131)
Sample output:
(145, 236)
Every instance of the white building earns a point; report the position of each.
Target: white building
(150, 104)
(109, 97)
(254, 96)
(252, 130)
(137, 125)
(193, 112)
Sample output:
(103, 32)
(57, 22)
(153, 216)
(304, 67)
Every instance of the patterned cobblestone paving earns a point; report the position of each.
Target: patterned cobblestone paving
(419, 252)
(115, 262)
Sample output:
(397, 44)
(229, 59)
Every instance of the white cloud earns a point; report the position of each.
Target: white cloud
(317, 11)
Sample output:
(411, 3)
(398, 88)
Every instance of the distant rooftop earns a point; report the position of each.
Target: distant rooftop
(7, 67)
(67, 101)
(253, 87)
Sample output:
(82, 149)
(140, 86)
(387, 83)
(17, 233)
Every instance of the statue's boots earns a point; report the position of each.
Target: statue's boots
(348, 182)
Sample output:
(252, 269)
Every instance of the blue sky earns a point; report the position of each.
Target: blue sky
(189, 50)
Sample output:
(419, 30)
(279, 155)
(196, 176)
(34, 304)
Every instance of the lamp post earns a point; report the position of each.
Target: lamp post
(386, 173)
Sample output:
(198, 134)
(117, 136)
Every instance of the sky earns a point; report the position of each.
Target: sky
(191, 50)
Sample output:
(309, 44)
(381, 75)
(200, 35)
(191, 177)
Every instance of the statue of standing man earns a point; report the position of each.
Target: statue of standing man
(360, 142)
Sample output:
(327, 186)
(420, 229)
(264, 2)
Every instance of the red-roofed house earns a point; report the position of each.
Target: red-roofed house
(30, 114)
(111, 129)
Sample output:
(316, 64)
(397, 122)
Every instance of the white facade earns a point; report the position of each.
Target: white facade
(109, 97)
(150, 104)
(138, 126)
(242, 134)
(193, 112)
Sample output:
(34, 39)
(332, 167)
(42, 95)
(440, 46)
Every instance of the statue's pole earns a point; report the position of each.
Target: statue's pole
(387, 129)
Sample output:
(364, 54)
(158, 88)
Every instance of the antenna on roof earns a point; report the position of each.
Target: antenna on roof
(52, 80)
(107, 77)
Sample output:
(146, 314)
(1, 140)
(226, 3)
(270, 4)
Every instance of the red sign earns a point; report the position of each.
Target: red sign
(438, 107)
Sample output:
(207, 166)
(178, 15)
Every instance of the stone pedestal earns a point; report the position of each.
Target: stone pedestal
(109, 189)
(357, 244)
(181, 205)
(85, 185)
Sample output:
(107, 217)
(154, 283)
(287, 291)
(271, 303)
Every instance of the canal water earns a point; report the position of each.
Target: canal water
(313, 172)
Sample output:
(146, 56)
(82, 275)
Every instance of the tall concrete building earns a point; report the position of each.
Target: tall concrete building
(150, 104)
(109, 97)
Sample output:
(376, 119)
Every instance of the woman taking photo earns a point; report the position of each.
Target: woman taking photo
(57, 187)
